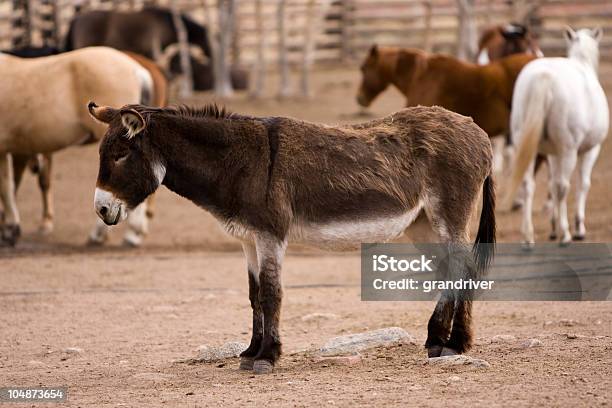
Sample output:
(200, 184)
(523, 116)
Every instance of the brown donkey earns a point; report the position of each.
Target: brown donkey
(272, 180)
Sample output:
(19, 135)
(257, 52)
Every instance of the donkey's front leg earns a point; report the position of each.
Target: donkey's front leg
(247, 357)
(270, 253)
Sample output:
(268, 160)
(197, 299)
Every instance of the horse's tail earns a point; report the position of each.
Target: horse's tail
(534, 112)
(484, 246)
(147, 86)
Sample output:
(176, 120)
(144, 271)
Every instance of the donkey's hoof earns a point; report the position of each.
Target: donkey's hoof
(447, 351)
(10, 234)
(434, 351)
(263, 367)
(578, 237)
(246, 363)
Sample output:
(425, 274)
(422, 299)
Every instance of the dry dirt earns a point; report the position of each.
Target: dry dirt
(134, 312)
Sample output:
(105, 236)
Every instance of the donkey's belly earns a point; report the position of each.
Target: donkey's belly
(349, 234)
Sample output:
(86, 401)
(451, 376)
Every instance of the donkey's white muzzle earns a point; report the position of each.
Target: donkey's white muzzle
(110, 209)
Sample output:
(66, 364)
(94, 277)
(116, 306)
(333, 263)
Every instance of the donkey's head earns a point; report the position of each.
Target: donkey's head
(584, 44)
(130, 170)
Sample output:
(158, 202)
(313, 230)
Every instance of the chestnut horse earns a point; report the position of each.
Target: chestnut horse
(483, 92)
(272, 180)
(42, 107)
(503, 40)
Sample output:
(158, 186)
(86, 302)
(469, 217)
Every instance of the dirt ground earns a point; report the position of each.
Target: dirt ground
(133, 313)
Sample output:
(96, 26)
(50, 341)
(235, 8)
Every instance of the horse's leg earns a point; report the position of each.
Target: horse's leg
(247, 357)
(527, 225)
(499, 143)
(583, 183)
(138, 226)
(99, 233)
(270, 253)
(44, 182)
(554, 214)
(20, 162)
(10, 230)
(564, 164)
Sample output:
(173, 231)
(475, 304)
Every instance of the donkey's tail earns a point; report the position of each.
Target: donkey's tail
(484, 246)
(535, 108)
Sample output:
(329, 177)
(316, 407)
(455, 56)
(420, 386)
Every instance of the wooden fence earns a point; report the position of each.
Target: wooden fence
(344, 28)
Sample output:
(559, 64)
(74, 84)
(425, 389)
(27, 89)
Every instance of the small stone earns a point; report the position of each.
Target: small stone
(571, 336)
(35, 363)
(352, 343)
(339, 360)
(568, 322)
(213, 353)
(319, 317)
(503, 338)
(73, 350)
(458, 360)
(454, 378)
(530, 343)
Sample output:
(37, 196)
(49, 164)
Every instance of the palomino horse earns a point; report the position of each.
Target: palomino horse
(482, 92)
(560, 110)
(274, 180)
(41, 164)
(500, 41)
(61, 84)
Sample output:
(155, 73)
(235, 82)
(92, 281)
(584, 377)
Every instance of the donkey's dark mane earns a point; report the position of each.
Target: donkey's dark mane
(210, 110)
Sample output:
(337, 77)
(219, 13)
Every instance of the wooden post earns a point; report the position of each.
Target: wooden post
(467, 41)
(186, 88)
(427, 43)
(21, 23)
(283, 58)
(259, 67)
(223, 82)
(346, 22)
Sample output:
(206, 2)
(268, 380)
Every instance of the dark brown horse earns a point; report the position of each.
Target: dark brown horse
(272, 180)
(497, 42)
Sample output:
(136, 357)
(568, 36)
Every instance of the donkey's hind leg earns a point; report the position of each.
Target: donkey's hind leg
(439, 326)
(247, 357)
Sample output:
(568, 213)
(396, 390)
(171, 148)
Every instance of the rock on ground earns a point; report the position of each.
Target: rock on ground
(503, 338)
(529, 343)
(230, 349)
(352, 343)
(458, 360)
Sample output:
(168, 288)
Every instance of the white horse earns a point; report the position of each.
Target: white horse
(559, 109)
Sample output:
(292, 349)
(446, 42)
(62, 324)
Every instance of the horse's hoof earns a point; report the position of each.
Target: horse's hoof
(527, 246)
(132, 239)
(10, 234)
(246, 363)
(516, 205)
(95, 241)
(46, 228)
(434, 351)
(552, 236)
(565, 243)
(446, 351)
(578, 237)
(263, 367)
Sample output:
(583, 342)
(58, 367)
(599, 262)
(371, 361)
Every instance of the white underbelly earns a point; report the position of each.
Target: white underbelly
(343, 235)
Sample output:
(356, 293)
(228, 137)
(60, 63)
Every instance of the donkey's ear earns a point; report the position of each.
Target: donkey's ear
(132, 121)
(103, 114)
(597, 33)
(570, 35)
